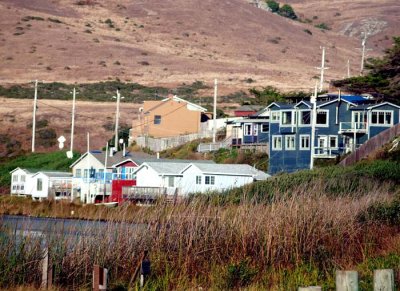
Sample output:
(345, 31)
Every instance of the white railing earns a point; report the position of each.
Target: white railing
(147, 193)
(325, 152)
(211, 147)
(353, 127)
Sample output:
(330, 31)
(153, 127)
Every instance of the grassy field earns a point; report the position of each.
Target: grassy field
(290, 231)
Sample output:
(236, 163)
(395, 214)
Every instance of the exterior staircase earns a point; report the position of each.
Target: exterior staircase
(372, 145)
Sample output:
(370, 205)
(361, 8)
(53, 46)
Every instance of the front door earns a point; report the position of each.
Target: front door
(359, 119)
(255, 133)
(322, 145)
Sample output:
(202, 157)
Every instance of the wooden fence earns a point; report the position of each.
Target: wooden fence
(372, 145)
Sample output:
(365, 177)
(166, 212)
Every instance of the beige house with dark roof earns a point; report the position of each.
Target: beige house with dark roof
(169, 117)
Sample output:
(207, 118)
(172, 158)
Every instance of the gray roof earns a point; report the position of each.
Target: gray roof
(167, 168)
(232, 169)
(249, 108)
(55, 174)
(118, 157)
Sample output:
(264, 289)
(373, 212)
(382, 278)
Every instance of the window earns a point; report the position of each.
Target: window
(22, 187)
(198, 180)
(171, 182)
(210, 180)
(322, 117)
(78, 173)
(304, 142)
(247, 129)
(275, 116)
(305, 117)
(39, 185)
(15, 178)
(290, 142)
(265, 127)
(286, 118)
(86, 173)
(381, 118)
(157, 119)
(333, 141)
(277, 142)
(14, 187)
(23, 178)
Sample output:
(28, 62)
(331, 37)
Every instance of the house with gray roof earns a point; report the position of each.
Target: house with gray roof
(51, 185)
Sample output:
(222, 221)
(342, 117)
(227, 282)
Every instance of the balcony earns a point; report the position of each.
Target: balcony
(138, 193)
(353, 127)
(325, 152)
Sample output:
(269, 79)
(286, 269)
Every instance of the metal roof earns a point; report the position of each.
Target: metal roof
(231, 170)
(55, 174)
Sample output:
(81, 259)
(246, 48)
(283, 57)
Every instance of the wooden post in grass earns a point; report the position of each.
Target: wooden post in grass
(99, 278)
(47, 270)
(310, 288)
(346, 281)
(384, 280)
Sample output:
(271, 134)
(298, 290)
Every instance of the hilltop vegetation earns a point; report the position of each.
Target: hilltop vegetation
(383, 76)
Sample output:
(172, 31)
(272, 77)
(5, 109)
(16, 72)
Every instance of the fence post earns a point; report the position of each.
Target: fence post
(45, 268)
(145, 268)
(346, 281)
(99, 278)
(384, 280)
(310, 288)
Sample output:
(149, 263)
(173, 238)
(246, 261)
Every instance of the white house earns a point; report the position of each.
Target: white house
(182, 178)
(21, 181)
(202, 178)
(56, 185)
(88, 172)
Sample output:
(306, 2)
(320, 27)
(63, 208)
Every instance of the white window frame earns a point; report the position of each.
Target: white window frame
(171, 181)
(15, 178)
(288, 145)
(261, 127)
(245, 133)
(39, 182)
(292, 117)
(211, 180)
(384, 117)
(275, 117)
(274, 137)
(336, 142)
(198, 180)
(78, 173)
(301, 124)
(327, 118)
(304, 136)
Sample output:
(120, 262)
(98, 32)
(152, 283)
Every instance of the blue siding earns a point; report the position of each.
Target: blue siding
(288, 160)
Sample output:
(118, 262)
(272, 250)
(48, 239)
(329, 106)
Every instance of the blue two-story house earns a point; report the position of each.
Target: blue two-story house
(341, 125)
(252, 130)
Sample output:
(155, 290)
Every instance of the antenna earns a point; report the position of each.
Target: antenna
(322, 68)
(348, 68)
(34, 116)
(118, 97)
(215, 110)
(73, 121)
(363, 50)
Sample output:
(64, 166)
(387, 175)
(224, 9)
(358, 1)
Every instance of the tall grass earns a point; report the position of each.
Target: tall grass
(297, 238)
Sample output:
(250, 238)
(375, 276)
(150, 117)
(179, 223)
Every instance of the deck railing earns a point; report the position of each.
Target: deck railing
(352, 127)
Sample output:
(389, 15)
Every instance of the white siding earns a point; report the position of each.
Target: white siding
(18, 187)
(222, 182)
(45, 186)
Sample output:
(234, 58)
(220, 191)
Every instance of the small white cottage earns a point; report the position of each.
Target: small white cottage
(21, 183)
(51, 185)
(202, 178)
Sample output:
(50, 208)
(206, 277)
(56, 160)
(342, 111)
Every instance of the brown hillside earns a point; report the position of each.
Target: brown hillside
(164, 43)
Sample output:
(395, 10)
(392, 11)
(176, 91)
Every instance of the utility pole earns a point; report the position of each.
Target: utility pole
(215, 111)
(118, 97)
(313, 124)
(73, 119)
(88, 141)
(348, 68)
(363, 50)
(34, 117)
(322, 68)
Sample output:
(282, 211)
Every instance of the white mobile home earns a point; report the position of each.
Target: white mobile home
(21, 183)
(202, 178)
(51, 185)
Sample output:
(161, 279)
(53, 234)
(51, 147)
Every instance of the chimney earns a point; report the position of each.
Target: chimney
(170, 96)
(124, 150)
(158, 155)
(112, 152)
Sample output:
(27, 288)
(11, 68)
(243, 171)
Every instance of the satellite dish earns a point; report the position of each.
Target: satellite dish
(61, 141)
(70, 155)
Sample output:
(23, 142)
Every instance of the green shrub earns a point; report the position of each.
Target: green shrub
(273, 5)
